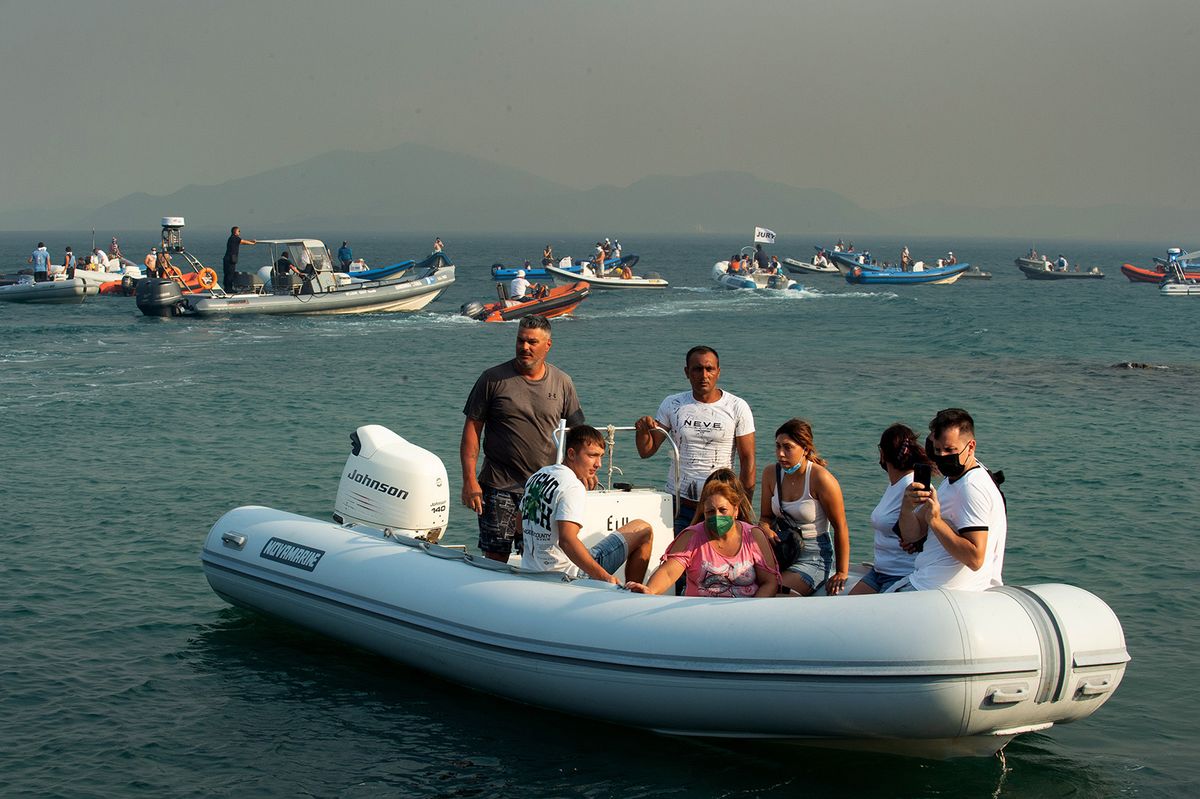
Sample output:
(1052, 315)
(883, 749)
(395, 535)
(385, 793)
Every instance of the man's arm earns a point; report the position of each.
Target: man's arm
(968, 546)
(745, 451)
(573, 548)
(468, 456)
(649, 436)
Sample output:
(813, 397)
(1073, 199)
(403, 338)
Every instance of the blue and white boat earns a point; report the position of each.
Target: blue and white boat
(895, 277)
(502, 272)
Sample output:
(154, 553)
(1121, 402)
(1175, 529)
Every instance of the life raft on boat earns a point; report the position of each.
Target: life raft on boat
(555, 302)
(935, 673)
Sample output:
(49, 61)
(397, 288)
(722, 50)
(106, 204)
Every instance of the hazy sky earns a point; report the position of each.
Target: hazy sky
(888, 102)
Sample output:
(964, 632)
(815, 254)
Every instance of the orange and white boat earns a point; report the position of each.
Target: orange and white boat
(555, 302)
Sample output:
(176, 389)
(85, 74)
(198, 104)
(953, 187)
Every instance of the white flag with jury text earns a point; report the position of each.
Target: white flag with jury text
(764, 236)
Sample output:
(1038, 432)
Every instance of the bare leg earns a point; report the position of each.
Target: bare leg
(861, 587)
(797, 583)
(638, 536)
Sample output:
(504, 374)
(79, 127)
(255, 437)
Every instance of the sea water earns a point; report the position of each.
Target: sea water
(126, 437)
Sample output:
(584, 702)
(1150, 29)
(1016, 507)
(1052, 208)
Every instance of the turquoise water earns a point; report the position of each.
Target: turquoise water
(126, 437)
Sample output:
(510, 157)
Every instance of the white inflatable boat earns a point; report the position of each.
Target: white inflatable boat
(751, 280)
(933, 673)
(565, 277)
(60, 290)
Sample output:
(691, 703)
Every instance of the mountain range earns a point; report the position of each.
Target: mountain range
(415, 188)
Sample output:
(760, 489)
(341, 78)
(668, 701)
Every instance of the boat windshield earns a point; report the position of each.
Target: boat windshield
(303, 255)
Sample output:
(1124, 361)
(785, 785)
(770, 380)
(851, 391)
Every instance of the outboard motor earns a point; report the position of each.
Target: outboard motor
(393, 485)
(159, 297)
(474, 309)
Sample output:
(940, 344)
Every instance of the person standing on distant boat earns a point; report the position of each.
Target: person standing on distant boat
(761, 261)
(513, 408)
(41, 263)
(229, 262)
(1061, 263)
(437, 244)
(69, 263)
(951, 259)
(709, 425)
(616, 250)
(905, 259)
(548, 256)
(963, 523)
(151, 263)
(345, 256)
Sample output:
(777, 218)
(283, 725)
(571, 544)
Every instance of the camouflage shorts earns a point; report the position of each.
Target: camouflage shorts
(500, 522)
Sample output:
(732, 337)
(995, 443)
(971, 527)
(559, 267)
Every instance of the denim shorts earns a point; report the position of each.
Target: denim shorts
(815, 561)
(881, 582)
(500, 522)
(611, 552)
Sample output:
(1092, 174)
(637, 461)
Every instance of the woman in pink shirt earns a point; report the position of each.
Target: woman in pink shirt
(722, 556)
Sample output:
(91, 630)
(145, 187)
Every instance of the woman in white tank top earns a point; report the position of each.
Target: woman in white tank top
(808, 498)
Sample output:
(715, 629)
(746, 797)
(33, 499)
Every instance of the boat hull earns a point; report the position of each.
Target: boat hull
(563, 277)
(49, 292)
(1138, 274)
(559, 302)
(352, 298)
(942, 275)
(752, 280)
(802, 268)
(1039, 273)
(985, 667)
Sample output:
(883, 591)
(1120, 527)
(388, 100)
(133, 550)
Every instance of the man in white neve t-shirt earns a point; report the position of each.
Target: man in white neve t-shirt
(553, 512)
(708, 425)
(964, 518)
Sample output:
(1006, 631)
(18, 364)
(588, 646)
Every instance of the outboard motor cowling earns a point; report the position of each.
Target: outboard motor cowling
(473, 309)
(390, 483)
(159, 297)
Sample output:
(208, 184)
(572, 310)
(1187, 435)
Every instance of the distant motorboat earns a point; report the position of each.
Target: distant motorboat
(752, 280)
(1045, 273)
(938, 275)
(1178, 284)
(319, 290)
(554, 302)
(60, 291)
(564, 277)
(820, 265)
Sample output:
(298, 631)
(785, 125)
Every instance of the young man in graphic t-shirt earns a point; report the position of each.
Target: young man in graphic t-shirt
(964, 518)
(709, 425)
(553, 514)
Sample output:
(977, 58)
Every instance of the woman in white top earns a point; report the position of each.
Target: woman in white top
(807, 498)
(898, 453)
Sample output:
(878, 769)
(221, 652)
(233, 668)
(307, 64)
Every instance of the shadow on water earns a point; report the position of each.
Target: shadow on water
(405, 731)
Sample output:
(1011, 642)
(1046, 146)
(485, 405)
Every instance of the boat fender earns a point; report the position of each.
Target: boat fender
(208, 278)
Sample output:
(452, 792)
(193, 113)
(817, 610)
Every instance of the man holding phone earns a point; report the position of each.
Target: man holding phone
(964, 518)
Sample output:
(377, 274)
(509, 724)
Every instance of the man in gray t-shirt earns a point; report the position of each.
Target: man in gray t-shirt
(513, 408)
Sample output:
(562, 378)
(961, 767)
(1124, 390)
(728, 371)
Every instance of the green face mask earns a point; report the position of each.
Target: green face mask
(719, 525)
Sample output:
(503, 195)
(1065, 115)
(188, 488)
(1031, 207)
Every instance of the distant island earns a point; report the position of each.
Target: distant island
(415, 188)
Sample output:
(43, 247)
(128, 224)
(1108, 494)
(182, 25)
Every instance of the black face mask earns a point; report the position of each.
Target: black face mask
(949, 465)
(882, 465)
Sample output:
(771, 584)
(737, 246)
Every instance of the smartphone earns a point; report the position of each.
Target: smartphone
(922, 473)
